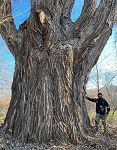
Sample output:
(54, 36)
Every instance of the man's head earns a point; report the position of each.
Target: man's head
(100, 95)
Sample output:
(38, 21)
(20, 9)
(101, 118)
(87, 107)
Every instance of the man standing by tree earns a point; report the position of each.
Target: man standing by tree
(100, 110)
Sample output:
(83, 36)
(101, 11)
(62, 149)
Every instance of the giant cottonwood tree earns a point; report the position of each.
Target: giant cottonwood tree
(53, 58)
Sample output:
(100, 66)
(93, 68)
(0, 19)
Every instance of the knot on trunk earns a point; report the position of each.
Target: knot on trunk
(40, 21)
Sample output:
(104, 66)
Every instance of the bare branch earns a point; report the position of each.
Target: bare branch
(86, 15)
(7, 26)
(108, 82)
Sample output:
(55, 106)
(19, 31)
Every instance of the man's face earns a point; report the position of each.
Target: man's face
(100, 96)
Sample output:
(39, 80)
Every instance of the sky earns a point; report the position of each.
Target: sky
(22, 12)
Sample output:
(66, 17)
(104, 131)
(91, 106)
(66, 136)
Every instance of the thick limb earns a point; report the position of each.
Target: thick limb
(94, 30)
(7, 26)
(86, 15)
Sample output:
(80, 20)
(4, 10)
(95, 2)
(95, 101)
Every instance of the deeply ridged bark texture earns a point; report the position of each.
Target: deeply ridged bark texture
(53, 59)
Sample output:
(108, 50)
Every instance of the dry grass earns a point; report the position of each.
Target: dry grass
(3, 109)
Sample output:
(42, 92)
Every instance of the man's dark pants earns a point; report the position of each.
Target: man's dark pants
(98, 117)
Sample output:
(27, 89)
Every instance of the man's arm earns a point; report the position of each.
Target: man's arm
(91, 99)
(108, 107)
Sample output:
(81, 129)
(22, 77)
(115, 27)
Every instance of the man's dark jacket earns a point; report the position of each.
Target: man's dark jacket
(100, 105)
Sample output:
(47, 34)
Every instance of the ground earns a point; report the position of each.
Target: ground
(94, 141)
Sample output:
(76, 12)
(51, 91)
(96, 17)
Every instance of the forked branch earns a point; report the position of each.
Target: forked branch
(96, 26)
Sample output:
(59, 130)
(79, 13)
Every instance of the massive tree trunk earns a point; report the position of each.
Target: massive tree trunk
(53, 59)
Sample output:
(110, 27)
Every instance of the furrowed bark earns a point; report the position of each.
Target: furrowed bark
(86, 16)
(51, 71)
(64, 7)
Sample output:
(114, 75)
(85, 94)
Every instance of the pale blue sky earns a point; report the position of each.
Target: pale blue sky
(21, 12)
